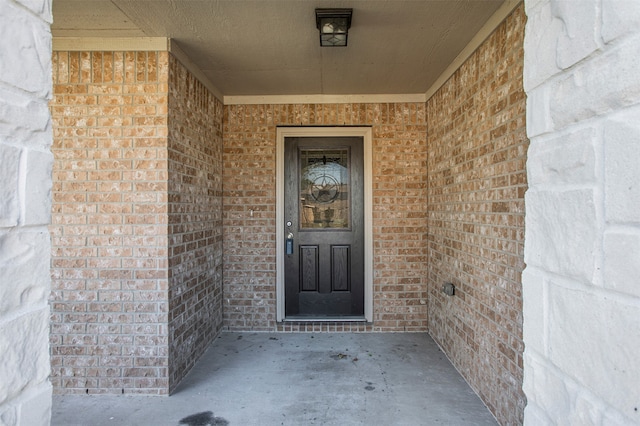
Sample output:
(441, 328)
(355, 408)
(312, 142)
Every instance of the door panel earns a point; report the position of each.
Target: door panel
(309, 268)
(340, 268)
(323, 211)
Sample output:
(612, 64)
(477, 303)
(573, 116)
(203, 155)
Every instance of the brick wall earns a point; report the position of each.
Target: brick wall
(399, 218)
(136, 222)
(109, 225)
(476, 163)
(25, 211)
(582, 245)
(195, 219)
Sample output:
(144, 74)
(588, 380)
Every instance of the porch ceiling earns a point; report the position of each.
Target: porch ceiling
(271, 47)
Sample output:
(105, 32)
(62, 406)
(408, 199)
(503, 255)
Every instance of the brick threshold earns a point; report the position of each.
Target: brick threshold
(296, 319)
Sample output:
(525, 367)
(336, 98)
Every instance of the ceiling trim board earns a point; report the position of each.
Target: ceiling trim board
(324, 99)
(487, 29)
(115, 44)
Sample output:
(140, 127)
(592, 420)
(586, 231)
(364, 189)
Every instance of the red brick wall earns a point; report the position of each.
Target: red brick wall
(136, 235)
(399, 216)
(477, 148)
(195, 219)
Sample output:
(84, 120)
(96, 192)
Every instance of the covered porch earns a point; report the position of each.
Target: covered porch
(165, 221)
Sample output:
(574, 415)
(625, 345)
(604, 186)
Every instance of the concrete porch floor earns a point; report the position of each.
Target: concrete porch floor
(299, 379)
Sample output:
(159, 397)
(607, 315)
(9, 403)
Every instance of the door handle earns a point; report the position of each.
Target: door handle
(289, 241)
(289, 244)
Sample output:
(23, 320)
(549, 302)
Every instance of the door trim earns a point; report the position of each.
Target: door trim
(366, 134)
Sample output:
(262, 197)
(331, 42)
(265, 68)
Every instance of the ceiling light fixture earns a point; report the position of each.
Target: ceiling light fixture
(333, 25)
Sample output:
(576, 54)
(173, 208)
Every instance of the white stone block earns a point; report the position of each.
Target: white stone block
(564, 159)
(24, 120)
(554, 398)
(562, 232)
(37, 193)
(622, 171)
(545, 388)
(586, 410)
(35, 407)
(619, 18)
(604, 84)
(577, 40)
(612, 417)
(622, 261)
(534, 416)
(533, 310)
(24, 345)
(41, 8)
(538, 114)
(10, 188)
(540, 62)
(594, 340)
(25, 43)
(8, 415)
(31, 408)
(24, 269)
(530, 5)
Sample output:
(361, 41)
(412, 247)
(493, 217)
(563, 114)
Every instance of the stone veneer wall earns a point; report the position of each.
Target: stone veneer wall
(399, 217)
(477, 152)
(25, 211)
(195, 219)
(582, 244)
(123, 301)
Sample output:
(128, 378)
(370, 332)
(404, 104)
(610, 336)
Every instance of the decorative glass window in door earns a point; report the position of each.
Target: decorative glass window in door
(324, 189)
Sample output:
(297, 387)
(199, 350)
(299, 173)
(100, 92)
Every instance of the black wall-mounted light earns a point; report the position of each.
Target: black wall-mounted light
(333, 25)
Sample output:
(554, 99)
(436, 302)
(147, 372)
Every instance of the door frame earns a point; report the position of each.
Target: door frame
(367, 140)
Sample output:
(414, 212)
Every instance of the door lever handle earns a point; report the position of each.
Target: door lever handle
(289, 244)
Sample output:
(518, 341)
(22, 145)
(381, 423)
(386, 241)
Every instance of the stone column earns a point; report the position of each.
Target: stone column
(25, 204)
(581, 287)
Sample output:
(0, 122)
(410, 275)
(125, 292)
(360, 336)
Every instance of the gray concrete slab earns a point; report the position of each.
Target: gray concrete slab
(299, 379)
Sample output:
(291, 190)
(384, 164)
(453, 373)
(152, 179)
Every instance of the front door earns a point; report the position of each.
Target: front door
(324, 226)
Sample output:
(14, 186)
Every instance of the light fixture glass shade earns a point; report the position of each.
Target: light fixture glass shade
(333, 25)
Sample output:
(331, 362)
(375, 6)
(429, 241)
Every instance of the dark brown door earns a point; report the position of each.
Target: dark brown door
(324, 227)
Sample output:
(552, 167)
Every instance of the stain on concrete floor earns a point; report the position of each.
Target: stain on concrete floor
(206, 418)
